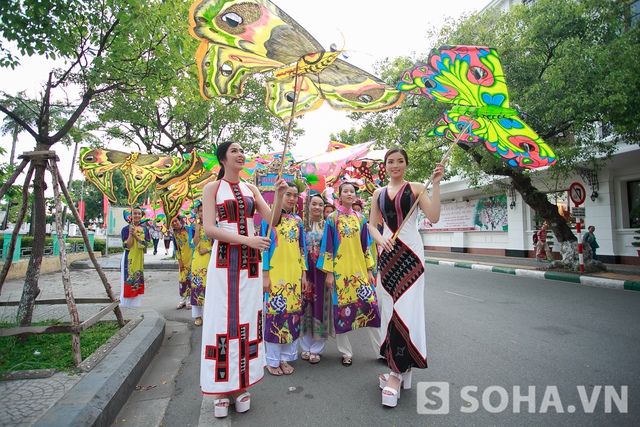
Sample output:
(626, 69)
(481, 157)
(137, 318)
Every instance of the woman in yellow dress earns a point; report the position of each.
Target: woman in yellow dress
(134, 239)
(183, 253)
(346, 258)
(284, 278)
(199, 264)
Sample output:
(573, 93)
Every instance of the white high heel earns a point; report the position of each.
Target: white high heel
(240, 405)
(221, 411)
(406, 383)
(391, 400)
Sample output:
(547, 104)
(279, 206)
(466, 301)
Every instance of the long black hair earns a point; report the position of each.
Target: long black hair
(221, 154)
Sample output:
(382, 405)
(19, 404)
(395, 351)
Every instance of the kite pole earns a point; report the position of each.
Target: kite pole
(428, 182)
(286, 144)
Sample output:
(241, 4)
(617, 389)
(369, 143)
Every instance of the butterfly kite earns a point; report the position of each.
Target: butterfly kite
(472, 78)
(139, 170)
(242, 37)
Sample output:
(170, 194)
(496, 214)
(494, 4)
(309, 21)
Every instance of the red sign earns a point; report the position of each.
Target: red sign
(577, 193)
(81, 210)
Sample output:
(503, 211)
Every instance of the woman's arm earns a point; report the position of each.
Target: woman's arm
(263, 207)
(431, 207)
(209, 222)
(374, 218)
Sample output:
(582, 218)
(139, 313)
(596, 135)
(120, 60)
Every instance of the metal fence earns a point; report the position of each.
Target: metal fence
(71, 248)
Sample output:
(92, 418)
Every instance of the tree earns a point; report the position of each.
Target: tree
(10, 126)
(172, 117)
(101, 48)
(570, 68)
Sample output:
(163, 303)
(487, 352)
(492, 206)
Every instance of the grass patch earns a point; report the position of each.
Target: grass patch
(21, 353)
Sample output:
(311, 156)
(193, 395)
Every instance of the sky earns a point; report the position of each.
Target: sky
(369, 30)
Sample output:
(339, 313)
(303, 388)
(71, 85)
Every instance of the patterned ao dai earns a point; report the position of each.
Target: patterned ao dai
(184, 253)
(199, 265)
(345, 253)
(285, 261)
(132, 267)
(316, 306)
(232, 349)
(402, 277)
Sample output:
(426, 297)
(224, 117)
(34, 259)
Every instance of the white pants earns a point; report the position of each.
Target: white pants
(127, 302)
(344, 345)
(275, 353)
(196, 311)
(186, 299)
(307, 343)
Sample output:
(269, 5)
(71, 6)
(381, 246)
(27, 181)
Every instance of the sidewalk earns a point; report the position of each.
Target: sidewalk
(617, 276)
(97, 396)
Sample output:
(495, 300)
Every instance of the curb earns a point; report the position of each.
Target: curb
(564, 277)
(98, 397)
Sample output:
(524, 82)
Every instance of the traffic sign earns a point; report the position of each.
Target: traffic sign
(577, 193)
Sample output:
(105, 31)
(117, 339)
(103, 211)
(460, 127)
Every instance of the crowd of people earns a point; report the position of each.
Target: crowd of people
(265, 299)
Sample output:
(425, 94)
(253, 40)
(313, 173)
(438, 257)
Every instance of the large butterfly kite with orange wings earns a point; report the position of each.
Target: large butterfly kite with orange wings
(242, 37)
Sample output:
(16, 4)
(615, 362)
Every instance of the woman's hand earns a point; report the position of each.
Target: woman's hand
(386, 244)
(280, 187)
(306, 286)
(203, 251)
(329, 281)
(438, 173)
(372, 279)
(257, 242)
(266, 282)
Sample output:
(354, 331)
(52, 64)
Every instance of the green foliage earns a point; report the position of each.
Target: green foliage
(55, 351)
(636, 239)
(569, 66)
(100, 245)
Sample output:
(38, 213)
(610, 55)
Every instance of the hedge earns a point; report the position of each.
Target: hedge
(99, 245)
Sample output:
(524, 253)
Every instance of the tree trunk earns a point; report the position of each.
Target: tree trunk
(13, 146)
(548, 211)
(31, 290)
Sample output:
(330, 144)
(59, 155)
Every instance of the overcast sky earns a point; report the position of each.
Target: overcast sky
(370, 30)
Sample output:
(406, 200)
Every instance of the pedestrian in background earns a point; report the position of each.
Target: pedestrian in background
(589, 238)
(167, 238)
(542, 245)
(155, 236)
(328, 209)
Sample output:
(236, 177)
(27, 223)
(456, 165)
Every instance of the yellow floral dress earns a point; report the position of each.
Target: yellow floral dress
(345, 253)
(285, 261)
(199, 266)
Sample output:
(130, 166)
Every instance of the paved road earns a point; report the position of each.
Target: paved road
(485, 330)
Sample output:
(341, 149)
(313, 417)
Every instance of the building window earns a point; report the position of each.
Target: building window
(633, 192)
(635, 11)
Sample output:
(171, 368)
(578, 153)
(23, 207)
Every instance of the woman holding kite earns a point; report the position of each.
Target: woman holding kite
(135, 238)
(232, 350)
(402, 270)
(284, 278)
